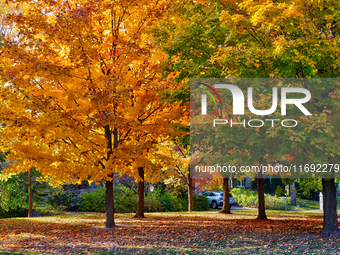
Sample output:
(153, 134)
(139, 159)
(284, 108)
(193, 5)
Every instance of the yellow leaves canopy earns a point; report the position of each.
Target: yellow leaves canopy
(74, 70)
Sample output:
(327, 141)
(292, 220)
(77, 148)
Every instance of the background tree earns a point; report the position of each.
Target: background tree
(14, 193)
(265, 39)
(178, 174)
(290, 39)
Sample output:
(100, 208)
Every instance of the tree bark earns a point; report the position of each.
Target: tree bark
(30, 195)
(292, 194)
(252, 184)
(233, 183)
(109, 204)
(330, 216)
(140, 203)
(190, 194)
(226, 204)
(260, 193)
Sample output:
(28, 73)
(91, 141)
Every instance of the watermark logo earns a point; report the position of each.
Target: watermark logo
(279, 127)
(238, 99)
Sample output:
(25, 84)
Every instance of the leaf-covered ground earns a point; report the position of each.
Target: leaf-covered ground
(168, 233)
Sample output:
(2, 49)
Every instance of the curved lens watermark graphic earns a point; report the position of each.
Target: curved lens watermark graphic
(264, 123)
(204, 98)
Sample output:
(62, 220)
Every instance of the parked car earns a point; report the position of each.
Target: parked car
(216, 198)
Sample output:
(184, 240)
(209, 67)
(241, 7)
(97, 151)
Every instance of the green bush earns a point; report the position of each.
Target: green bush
(20, 212)
(69, 199)
(201, 203)
(14, 194)
(94, 201)
(308, 189)
(276, 203)
(171, 202)
(160, 201)
(248, 198)
(153, 205)
(125, 202)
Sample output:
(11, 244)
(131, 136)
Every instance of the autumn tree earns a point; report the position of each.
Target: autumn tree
(178, 172)
(81, 86)
(292, 39)
(248, 39)
(188, 41)
(148, 167)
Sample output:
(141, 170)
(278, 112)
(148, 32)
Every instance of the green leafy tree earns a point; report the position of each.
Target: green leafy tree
(285, 39)
(14, 193)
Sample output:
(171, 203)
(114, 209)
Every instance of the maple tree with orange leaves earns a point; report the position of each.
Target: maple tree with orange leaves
(81, 95)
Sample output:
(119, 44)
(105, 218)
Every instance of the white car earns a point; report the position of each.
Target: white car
(216, 198)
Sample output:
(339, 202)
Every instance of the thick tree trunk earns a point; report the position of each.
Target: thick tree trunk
(140, 203)
(293, 194)
(260, 193)
(190, 194)
(226, 204)
(109, 204)
(30, 195)
(330, 216)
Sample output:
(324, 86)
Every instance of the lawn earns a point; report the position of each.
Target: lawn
(309, 205)
(168, 233)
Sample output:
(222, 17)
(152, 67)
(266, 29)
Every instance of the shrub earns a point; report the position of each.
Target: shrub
(125, 202)
(248, 198)
(14, 193)
(94, 201)
(70, 200)
(276, 203)
(153, 205)
(20, 212)
(171, 202)
(308, 189)
(159, 201)
(201, 203)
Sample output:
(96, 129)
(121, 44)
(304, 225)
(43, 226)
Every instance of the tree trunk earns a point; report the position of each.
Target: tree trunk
(233, 183)
(252, 184)
(226, 205)
(30, 198)
(260, 193)
(190, 194)
(140, 203)
(293, 194)
(330, 217)
(109, 204)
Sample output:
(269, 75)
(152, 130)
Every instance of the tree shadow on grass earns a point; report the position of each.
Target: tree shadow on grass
(171, 233)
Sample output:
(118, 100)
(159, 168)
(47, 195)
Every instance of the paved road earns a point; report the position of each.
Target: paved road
(237, 208)
(241, 208)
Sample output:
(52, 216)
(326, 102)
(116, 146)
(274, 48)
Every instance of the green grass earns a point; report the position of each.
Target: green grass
(310, 205)
(306, 205)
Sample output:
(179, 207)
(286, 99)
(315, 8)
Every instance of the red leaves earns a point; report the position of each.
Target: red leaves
(160, 233)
